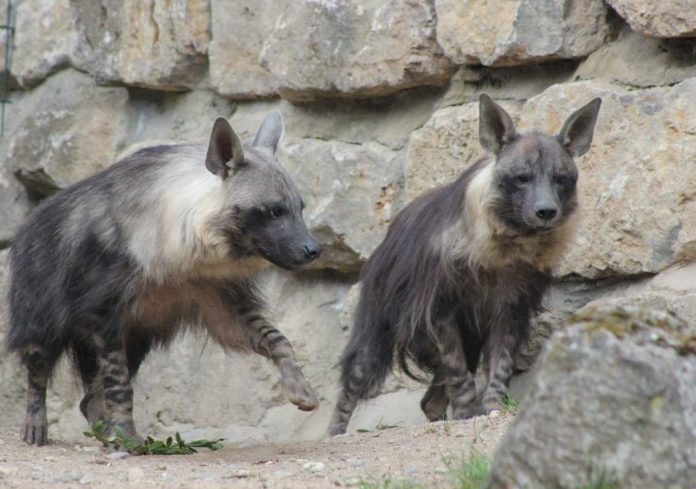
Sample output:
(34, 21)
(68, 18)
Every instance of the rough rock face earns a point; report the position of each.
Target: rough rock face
(631, 60)
(354, 47)
(670, 18)
(350, 200)
(67, 129)
(153, 43)
(239, 30)
(615, 393)
(636, 199)
(46, 39)
(508, 33)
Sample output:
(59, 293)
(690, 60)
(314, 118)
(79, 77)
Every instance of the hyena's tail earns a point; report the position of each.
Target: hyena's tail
(365, 364)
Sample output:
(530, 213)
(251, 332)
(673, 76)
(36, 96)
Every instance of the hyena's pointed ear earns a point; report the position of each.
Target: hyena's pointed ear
(496, 128)
(270, 132)
(577, 131)
(225, 152)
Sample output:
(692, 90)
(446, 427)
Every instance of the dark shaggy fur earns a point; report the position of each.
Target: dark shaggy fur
(463, 269)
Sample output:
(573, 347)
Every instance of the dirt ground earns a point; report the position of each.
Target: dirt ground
(418, 453)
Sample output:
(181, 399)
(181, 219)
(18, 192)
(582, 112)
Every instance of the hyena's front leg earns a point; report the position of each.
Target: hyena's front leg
(460, 386)
(434, 402)
(269, 342)
(116, 385)
(39, 366)
(499, 360)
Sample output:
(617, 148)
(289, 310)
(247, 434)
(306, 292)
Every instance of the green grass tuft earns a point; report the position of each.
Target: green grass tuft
(472, 473)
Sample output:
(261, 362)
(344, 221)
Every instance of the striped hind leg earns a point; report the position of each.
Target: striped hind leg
(39, 363)
(460, 387)
(500, 362)
(354, 384)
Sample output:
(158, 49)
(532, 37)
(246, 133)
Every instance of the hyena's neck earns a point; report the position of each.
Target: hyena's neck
(479, 239)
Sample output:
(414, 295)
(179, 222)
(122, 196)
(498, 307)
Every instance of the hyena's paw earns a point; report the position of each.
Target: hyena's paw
(434, 404)
(492, 404)
(300, 393)
(92, 407)
(127, 430)
(35, 430)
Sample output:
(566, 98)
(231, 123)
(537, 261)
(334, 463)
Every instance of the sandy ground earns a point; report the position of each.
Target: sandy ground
(418, 453)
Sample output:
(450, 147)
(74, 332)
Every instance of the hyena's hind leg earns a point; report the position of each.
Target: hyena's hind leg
(92, 405)
(116, 383)
(459, 383)
(499, 361)
(39, 363)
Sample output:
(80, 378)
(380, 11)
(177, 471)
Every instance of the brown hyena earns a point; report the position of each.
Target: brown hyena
(170, 237)
(464, 267)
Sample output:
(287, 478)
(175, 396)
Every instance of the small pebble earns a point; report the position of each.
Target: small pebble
(494, 414)
(355, 462)
(117, 455)
(411, 470)
(87, 479)
(313, 467)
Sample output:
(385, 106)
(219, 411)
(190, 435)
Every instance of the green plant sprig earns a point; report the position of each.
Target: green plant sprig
(150, 446)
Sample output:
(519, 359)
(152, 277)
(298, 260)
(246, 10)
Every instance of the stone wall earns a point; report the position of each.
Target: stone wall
(380, 104)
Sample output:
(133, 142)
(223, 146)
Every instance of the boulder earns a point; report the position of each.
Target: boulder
(667, 18)
(47, 38)
(352, 193)
(640, 61)
(614, 391)
(63, 131)
(519, 32)
(239, 30)
(158, 44)
(636, 196)
(354, 48)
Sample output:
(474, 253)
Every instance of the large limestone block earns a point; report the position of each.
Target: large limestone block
(65, 130)
(239, 30)
(514, 32)
(614, 393)
(157, 44)
(637, 181)
(352, 193)
(666, 18)
(354, 48)
(638, 60)
(47, 38)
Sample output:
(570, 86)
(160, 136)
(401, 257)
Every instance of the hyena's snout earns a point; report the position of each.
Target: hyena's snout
(546, 212)
(311, 250)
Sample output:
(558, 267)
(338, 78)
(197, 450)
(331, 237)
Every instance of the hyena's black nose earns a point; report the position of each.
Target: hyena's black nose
(312, 250)
(546, 213)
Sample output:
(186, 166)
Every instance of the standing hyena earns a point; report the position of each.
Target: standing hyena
(463, 268)
(170, 237)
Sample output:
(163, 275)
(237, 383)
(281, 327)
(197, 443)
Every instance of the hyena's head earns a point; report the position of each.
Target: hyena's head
(534, 176)
(262, 213)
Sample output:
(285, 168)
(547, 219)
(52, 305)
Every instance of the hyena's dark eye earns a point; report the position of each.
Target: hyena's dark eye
(523, 178)
(276, 212)
(561, 179)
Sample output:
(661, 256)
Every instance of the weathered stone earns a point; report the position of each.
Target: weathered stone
(614, 391)
(153, 43)
(351, 48)
(636, 199)
(352, 193)
(239, 30)
(509, 83)
(46, 39)
(667, 18)
(519, 31)
(444, 147)
(63, 131)
(636, 60)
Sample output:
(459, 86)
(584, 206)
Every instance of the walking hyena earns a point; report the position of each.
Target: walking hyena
(463, 268)
(170, 237)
